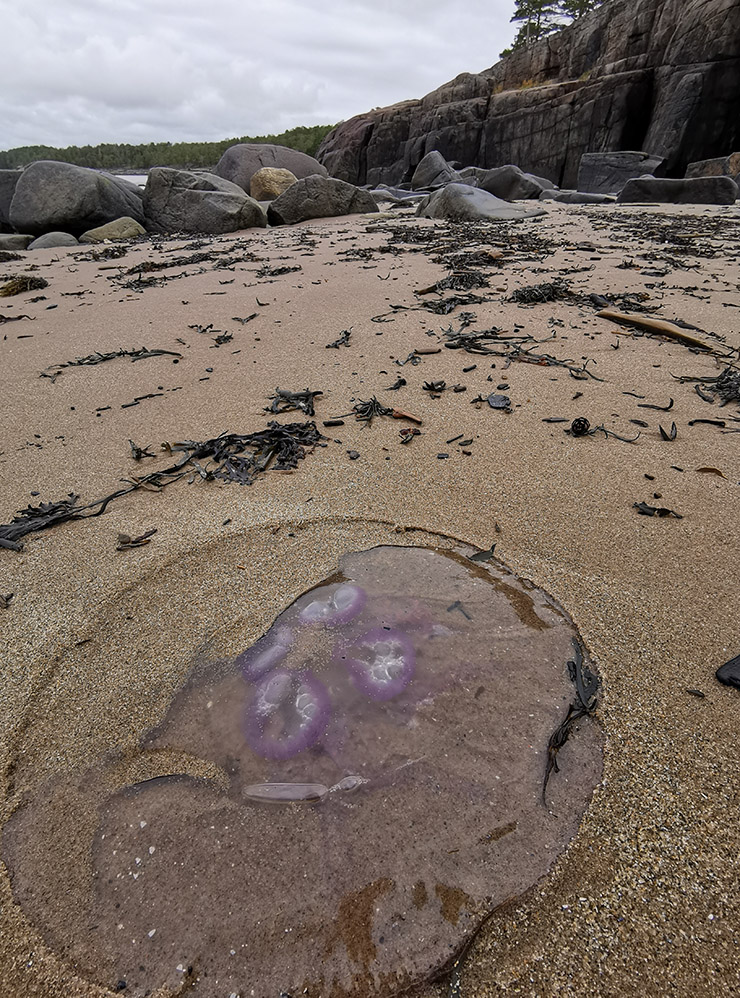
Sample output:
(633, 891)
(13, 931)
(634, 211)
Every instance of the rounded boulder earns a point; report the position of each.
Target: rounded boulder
(240, 162)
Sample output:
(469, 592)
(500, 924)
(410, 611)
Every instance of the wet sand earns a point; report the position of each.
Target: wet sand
(646, 896)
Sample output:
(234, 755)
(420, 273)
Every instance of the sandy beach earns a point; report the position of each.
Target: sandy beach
(96, 642)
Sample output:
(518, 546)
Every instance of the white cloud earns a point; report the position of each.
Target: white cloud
(79, 72)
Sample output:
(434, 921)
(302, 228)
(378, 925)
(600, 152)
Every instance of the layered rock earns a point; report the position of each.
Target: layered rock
(658, 75)
(51, 197)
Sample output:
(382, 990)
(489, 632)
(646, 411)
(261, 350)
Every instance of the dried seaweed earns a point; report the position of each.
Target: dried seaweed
(142, 353)
(13, 318)
(460, 281)
(237, 458)
(647, 510)
(536, 293)
(724, 386)
(587, 686)
(366, 411)
(285, 401)
(341, 341)
(19, 285)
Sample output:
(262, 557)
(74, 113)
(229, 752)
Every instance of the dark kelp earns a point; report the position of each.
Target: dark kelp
(231, 457)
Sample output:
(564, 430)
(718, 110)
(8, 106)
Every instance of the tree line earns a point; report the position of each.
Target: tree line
(537, 18)
(114, 156)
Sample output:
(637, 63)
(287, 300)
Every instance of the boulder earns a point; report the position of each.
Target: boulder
(608, 172)
(696, 190)
(510, 183)
(576, 197)
(240, 162)
(15, 241)
(51, 240)
(462, 203)
(179, 201)
(433, 171)
(319, 197)
(395, 195)
(725, 166)
(52, 197)
(270, 182)
(121, 228)
(8, 180)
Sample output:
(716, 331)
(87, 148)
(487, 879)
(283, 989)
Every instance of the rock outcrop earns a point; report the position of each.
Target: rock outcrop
(51, 197)
(696, 190)
(657, 75)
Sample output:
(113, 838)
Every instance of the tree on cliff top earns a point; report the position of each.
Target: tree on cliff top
(537, 18)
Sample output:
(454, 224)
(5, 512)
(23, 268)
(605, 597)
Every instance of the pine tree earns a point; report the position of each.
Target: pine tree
(573, 9)
(537, 19)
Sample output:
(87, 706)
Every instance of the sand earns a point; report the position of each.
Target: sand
(96, 641)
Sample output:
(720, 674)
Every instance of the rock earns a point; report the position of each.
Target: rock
(462, 203)
(51, 196)
(15, 241)
(576, 197)
(729, 673)
(179, 201)
(52, 239)
(8, 180)
(663, 75)
(433, 171)
(240, 162)
(395, 195)
(121, 228)
(697, 190)
(608, 172)
(725, 166)
(510, 183)
(270, 182)
(319, 197)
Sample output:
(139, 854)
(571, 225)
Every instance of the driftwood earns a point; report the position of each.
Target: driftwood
(654, 326)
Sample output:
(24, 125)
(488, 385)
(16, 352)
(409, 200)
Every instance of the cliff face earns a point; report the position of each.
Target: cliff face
(657, 75)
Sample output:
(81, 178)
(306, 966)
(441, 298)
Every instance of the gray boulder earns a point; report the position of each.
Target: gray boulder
(433, 171)
(510, 183)
(240, 162)
(15, 242)
(608, 172)
(697, 190)
(179, 201)
(395, 195)
(52, 197)
(50, 240)
(462, 203)
(8, 180)
(319, 197)
(725, 166)
(576, 197)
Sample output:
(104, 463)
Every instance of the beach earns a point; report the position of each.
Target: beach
(96, 642)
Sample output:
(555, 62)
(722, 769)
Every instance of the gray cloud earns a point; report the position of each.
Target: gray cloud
(79, 72)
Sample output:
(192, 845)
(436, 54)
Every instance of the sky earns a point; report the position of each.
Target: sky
(80, 72)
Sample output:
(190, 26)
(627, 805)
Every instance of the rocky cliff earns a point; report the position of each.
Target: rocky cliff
(658, 75)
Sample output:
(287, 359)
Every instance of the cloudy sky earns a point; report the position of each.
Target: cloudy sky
(78, 72)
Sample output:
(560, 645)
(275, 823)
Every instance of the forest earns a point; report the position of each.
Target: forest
(119, 156)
